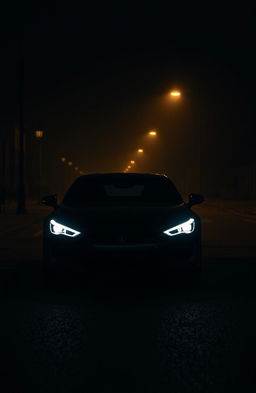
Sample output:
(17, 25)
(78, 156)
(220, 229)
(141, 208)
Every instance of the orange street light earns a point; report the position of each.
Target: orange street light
(63, 159)
(132, 162)
(175, 93)
(70, 163)
(39, 134)
(140, 150)
(76, 168)
(129, 167)
(152, 133)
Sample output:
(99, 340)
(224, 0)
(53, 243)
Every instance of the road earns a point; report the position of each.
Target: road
(126, 334)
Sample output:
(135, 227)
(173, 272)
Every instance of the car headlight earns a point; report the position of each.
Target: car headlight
(59, 229)
(185, 227)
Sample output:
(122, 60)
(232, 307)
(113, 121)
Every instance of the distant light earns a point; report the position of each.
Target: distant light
(63, 159)
(175, 93)
(39, 134)
(140, 150)
(152, 133)
(81, 172)
(70, 163)
(76, 168)
(132, 162)
(129, 166)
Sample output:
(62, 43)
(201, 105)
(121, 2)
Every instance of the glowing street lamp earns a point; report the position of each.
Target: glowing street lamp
(76, 168)
(63, 159)
(39, 134)
(152, 133)
(175, 93)
(140, 150)
(129, 167)
(132, 162)
(70, 163)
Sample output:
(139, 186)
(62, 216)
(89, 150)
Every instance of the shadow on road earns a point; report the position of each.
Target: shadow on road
(221, 277)
(131, 333)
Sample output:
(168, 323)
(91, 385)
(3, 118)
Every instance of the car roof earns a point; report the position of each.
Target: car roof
(134, 175)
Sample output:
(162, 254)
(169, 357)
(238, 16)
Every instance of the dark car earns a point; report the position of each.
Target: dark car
(125, 219)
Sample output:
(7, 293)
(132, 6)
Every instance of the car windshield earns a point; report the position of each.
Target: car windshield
(119, 190)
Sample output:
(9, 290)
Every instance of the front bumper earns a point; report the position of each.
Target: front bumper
(178, 253)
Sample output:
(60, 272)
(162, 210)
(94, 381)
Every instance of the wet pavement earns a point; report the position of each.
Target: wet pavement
(126, 333)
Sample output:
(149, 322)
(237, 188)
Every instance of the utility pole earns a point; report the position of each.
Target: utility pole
(21, 199)
(39, 136)
(200, 161)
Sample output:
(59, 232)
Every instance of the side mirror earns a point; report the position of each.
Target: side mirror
(195, 199)
(50, 200)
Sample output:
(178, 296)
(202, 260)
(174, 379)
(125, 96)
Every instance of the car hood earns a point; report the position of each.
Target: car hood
(111, 217)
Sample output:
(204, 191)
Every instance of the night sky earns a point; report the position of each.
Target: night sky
(96, 77)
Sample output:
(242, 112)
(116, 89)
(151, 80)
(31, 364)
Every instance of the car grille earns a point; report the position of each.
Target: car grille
(123, 238)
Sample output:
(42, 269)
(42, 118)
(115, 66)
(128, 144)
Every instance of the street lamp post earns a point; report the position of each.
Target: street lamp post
(21, 199)
(39, 136)
(200, 161)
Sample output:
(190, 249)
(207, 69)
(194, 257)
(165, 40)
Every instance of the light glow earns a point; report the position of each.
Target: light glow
(63, 159)
(175, 93)
(132, 162)
(129, 166)
(140, 150)
(70, 163)
(186, 227)
(39, 134)
(59, 229)
(152, 133)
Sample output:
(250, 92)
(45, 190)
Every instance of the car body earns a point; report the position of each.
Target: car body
(122, 219)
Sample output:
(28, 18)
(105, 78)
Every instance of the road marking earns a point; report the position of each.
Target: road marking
(39, 233)
(250, 220)
(248, 216)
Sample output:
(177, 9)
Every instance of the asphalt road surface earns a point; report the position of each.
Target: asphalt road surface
(131, 334)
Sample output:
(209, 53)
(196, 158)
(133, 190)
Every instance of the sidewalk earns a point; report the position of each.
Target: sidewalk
(10, 221)
(20, 234)
(31, 206)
